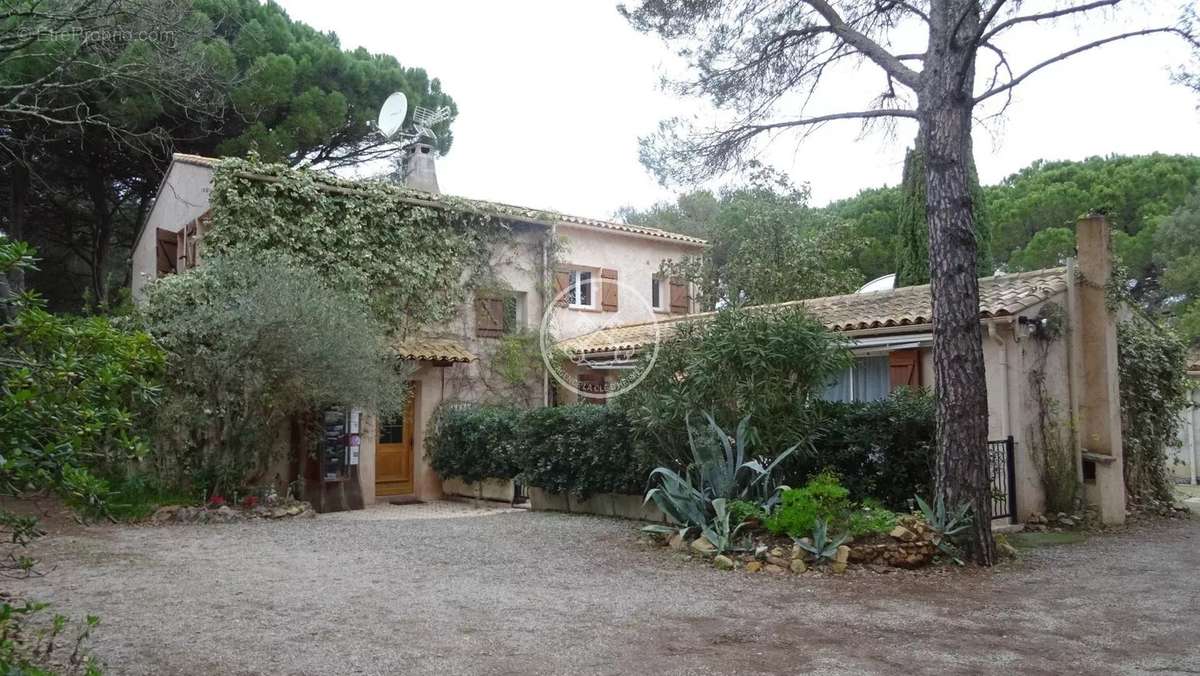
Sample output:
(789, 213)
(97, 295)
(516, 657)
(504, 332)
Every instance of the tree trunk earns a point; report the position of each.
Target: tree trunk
(102, 231)
(945, 105)
(18, 206)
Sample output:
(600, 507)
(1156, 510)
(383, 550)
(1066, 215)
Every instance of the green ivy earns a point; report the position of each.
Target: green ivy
(408, 256)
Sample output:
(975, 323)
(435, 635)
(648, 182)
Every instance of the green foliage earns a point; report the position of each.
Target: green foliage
(765, 363)
(766, 245)
(881, 449)
(1047, 249)
(75, 394)
(823, 498)
(1176, 249)
(950, 526)
(581, 450)
(422, 260)
(719, 471)
(31, 645)
(722, 530)
(1154, 390)
(473, 443)
(250, 342)
(870, 517)
(741, 511)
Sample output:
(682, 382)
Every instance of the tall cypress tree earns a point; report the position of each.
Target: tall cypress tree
(912, 263)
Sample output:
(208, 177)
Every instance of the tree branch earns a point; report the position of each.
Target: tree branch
(871, 49)
(1082, 48)
(1003, 26)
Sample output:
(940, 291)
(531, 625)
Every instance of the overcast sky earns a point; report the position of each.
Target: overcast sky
(553, 95)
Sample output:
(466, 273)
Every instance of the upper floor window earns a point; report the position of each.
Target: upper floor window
(499, 315)
(581, 290)
(658, 299)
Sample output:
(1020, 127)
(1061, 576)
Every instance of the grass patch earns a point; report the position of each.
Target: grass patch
(1035, 540)
(135, 498)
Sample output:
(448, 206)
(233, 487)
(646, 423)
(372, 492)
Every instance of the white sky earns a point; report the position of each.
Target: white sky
(553, 95)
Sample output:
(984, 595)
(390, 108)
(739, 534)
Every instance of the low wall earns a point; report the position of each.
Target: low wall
(603, 504)
(493, 489)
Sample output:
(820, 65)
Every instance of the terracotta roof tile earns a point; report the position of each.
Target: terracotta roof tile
(432, 349)
(999, 296)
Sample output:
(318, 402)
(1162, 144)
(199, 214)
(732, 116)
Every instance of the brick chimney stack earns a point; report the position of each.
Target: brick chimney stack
(1096, 384)
(419, 170)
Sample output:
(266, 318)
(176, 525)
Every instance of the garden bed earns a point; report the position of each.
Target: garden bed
(222, 513)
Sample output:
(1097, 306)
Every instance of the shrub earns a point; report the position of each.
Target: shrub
(822, 499)
(881, 449)
(473, 443)
(75, 393)
(768, 363)
(582, 449)
(250, 342)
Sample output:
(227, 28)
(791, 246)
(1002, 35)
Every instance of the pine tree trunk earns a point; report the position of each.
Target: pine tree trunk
(945, 106)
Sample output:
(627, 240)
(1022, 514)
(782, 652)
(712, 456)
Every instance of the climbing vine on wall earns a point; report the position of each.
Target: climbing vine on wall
(1154, 390)
(408, 256)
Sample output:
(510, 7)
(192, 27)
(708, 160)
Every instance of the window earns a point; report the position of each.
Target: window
(657, 297)
(869, 379)
(497, 316)
(580, 285)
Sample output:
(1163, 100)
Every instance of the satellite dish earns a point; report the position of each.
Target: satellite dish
(884, 283)
(392, 114)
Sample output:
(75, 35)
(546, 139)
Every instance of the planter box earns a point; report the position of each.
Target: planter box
(602, 504)
(493, 489)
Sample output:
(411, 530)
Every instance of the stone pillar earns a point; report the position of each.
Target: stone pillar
(419, 170)
(1096, 390)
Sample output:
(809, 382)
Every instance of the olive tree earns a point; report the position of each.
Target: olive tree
(765, 61)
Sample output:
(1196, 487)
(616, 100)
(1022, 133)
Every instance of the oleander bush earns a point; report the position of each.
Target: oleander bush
(474, 443)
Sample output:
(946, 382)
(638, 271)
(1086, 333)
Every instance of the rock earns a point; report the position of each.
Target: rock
(703, 547)
(798, 552)
(676, 542)
(903, 534)
(754, 566)
(164, 514)
(777, 552)
(838, 567)
(723, 562)
(778, 561)
(295, 510)
(1066, 522)
(1006, 550)
(760, 551)
(798, 566)
(774, 569)
(843, 554)
(278, 513)
(807, 541)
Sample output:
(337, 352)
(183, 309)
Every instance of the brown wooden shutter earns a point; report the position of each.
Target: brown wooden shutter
(591, 388)
(608, 290)
(904, 366)
(562, 279)
(679, 297)
(190, 236)
(181, 250)
(489, 317)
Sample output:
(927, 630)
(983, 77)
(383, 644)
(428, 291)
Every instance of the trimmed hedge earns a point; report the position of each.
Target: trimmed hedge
(582, 449)
(882, 450)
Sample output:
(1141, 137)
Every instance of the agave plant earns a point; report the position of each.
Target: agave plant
(947, 525)
(822, 547)
(720, 470)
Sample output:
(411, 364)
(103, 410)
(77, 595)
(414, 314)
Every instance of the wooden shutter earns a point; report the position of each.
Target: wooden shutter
(190, 236)
(608, 290)
(489, 317)
(679, 297)
(591, 387)
(562, 279)
(904, 367)
(181, 250)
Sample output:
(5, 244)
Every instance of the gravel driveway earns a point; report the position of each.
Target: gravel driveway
(507, 592)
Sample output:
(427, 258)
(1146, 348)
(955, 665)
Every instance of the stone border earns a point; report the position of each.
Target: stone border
(601, 504)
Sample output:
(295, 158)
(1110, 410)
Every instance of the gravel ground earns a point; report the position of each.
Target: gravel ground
(509, 592)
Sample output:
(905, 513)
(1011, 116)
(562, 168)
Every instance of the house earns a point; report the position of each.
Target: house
(1049, 345)
(606, 273)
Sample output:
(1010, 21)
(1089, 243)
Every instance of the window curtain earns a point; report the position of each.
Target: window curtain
(872, 379)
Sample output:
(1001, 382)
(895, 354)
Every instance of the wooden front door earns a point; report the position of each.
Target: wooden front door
(394, 451)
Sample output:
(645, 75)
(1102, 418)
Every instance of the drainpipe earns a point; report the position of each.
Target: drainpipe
(547, 280)
(994, 334)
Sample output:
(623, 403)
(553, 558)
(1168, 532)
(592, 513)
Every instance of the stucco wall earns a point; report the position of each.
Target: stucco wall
(182, 197)
(1181, 457)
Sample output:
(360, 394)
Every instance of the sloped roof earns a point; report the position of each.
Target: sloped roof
(526, 214)
(432, 349)
(999, 296)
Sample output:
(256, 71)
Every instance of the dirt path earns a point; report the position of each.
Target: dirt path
(521, 593)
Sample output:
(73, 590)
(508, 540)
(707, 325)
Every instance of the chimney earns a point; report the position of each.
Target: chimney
(1095, 385)
(419, 172)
